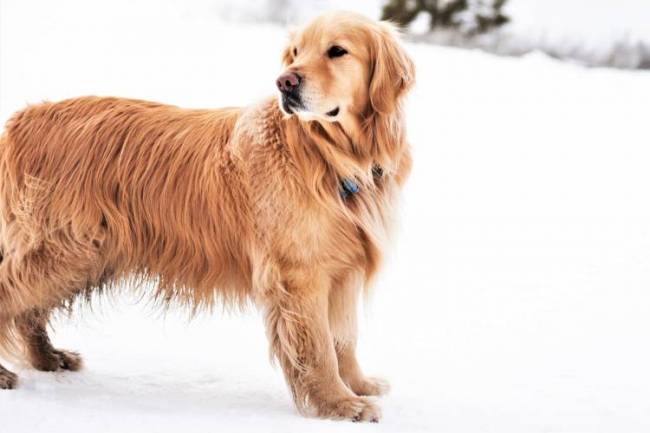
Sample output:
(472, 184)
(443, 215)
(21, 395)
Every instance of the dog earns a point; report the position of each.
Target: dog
(286, 204)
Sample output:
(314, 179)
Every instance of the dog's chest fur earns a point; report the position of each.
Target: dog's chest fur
(293, 225)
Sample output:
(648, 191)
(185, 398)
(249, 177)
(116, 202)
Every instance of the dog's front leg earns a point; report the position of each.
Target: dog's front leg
(296, 314)
(343, 301)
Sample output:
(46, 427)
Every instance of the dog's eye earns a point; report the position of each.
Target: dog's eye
(336, 51)
(295, 52)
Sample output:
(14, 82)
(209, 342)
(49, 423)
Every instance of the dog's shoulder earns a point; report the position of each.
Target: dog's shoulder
(257, 123)
(258, 144)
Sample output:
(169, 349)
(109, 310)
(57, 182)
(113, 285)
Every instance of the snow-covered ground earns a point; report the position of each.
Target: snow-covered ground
(517, 297)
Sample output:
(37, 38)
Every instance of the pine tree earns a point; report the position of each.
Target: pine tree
(468, 16)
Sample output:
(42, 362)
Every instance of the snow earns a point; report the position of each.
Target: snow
(516, 297)
(596, 24)
(592, 32)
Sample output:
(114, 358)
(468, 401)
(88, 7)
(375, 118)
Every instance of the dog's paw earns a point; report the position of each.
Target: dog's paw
(57, 360)
(8, 380)
(370, 386)
(357, 409)
(69, 360)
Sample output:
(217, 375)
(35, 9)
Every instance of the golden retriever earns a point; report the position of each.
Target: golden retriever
(286, 203)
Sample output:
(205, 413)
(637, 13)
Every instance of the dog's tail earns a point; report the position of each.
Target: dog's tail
(11, 346)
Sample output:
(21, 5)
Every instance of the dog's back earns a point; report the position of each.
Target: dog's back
(96, 189)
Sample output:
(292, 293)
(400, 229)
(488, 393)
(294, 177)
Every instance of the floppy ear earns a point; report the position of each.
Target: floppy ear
(392, 72)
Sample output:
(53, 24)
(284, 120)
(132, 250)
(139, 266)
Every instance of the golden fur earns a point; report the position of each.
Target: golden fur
(224, 205)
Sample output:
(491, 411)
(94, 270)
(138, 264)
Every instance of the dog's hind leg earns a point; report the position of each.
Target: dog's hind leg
(41, 354)
(34, 283)
(8, 379)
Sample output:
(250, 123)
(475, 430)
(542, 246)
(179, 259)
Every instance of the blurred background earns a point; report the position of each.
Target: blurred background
(516, 296)
(591, 32)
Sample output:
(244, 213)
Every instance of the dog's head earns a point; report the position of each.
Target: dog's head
(343, 66)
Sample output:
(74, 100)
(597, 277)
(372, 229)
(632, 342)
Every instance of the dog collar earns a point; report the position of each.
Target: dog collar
(348, 187)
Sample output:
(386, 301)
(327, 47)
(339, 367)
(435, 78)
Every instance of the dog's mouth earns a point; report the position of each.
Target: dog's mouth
(333, 112)
(291, 103)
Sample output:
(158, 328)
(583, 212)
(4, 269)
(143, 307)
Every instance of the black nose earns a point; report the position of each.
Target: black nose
(288, 82)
